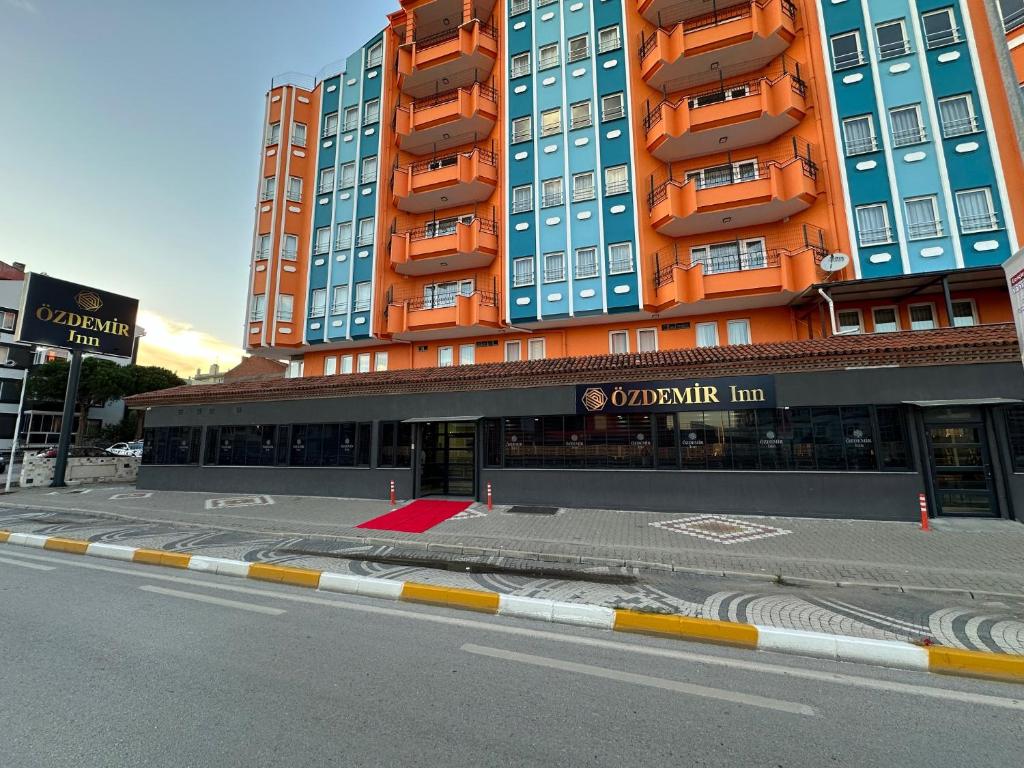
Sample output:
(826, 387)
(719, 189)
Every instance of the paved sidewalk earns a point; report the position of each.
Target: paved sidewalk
(972, 558)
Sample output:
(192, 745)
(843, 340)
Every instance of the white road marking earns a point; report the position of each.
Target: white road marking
(214, 600)
(651, 682)
(836, 678)
(27, 565)
(892, 621)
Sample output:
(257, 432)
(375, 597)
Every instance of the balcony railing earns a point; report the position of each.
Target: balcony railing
(485, 156)
(739, 255)
(321, 248)
(444, 97)
(284, 315)
(905, 138)
(318, 310)
(423, 300)
(440, 38)
(256, 315)
(295, 197)
(983, 222)
(924, 230)
(289, 255)
(961, 127)
(339, 308)
(445, 227)
(551, 200)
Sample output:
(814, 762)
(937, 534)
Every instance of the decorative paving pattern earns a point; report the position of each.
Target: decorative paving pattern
(719, 528)
(468, 514)
(132, 495)
(233, 502)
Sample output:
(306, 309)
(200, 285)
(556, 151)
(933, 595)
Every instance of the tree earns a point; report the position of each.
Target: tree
(101, 382)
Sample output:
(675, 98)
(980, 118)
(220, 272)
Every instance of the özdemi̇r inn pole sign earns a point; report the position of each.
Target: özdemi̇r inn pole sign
(56, 313)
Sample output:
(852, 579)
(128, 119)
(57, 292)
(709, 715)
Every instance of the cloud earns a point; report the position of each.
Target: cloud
(23, 5)
(180, 347)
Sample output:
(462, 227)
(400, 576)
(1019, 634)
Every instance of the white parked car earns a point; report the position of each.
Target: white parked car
(126, 449)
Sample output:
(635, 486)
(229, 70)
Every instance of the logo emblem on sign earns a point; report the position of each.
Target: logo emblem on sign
(595, 399)
(88, 301)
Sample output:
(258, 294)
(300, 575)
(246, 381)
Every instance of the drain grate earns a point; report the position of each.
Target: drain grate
(518, 510)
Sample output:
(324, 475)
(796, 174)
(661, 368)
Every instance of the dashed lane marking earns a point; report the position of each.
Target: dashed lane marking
(213, 600)
(33, 566)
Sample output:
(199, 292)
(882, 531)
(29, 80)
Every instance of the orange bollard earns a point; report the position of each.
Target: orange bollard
(924, 511)
(392, 493)
(490, 498)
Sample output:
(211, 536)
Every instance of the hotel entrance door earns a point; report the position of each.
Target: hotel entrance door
(448, 458)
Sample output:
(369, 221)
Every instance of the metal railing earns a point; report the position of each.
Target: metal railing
(445, 226)
(578, 54)
(295, 197)
(551, 200)
(943, 37)
(861, 146)
(554, 275)
(440, 38)
(452, 94)
(743, 258)
(584, 121)
(326, 187)
(983, 222)
(894, 49)
(318, 310)
(879, 236)
(321, 248)
(614, 113)
(298, 141)
(605, 46)
(924, 230)
(959, 127)
(616, 187)
(284, 315)
(415, 302)
(485, 156)
(289, 255)
(916, 135)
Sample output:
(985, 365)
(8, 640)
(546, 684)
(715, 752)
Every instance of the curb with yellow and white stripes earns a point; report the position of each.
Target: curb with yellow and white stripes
(886, 653)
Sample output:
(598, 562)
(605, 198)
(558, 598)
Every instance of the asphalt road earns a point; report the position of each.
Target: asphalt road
(115, 664)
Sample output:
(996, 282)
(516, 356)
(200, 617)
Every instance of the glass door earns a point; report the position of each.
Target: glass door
(461, 458)
(448, 459)
(961, 469)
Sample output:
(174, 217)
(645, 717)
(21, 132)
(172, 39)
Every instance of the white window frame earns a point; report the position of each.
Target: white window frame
(322, 240)
(844, 330)
(836, 66)
(697, 331)
(300, 132)
(350, 120)
(577, 195)
(551, 61)
(516, 282)
(262, 247)
(620, 187)
(519, 65)
(258, 308)
(570, 55)
(613, 113)
(936, 218)
(536, 349)
(362, 237)
(552, 130)
(362, 303)
(931, 308)
(269, 188)
(874, 135)
(595, 263)
(954, 29)
(622, 335)
(896, 313)
(902, 24)
(285, 315)
(887, 228)
(922, 131)
(518, 134)
(380, 361)
(971, 128)
(332, 121)
(640, 332)
(612, 269)
(991, 209)
(605, 46)
(517, 206)
(375, 55)
(274, 133)
(293, 190)
(368, 176)
(584, 121)
(327, 179)
(517, 355)
(974, 313)
(343, 235)
(339, 307)
(346, 364)
(363, 362)
(290, 253)
(371, 112)
(467, 354)
(445, 357)
(553, 198)
(330, 365)
(739, 322)
(554, 274)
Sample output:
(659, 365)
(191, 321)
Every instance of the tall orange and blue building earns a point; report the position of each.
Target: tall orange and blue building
(490, 180)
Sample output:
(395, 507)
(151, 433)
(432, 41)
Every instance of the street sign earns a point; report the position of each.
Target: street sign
(56, 313)
(1014, 269)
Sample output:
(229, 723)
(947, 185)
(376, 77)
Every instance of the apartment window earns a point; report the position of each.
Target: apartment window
(295, 369)
(444, 357)
(892, 39)
(609, 39)
(318, 302)
(522, 199)
(583, 186)
(721, 175)
(964, 313)
(330, 366)
(330, 124)
(285, 307)
(873, 224)
(550, 122)
(363, 362)
(547, 56)
(366, 231)
(369, 173)
(647, 340)
(885, 319)
(620, 258)
(362, 302)
(346, 364)
(467, 354)
(922, 317)
(519, 6)
(380, 361)
(586, 262)
(906, 125)
(738, 331)
(343, 236)
(616, 180)
(351, 118)
(348, 175)
(445, 294)
(375, 54)
(258, 307)
(554, 267)
(522, 271)
(323, 240)
(290, 247)
(580, 115)
(849, 321)
(707, 334)
(940, 28)
(339, 300)
(299, 134)
(520, 65)
(535, 349)
(618, 342)
(579, 48)
(551, 193)
(976, 212)
(269, 188)
(263, 247)
(957, 115)
(294, 190)
(522, 129)
(846, 50)
(733, 256)
(326, 180)
(513, 351)
(1013, 13)
(612, 106)
(273, 133)
(859, 133)
(371, 113)
(923, 217)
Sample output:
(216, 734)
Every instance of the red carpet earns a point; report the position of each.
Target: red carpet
(417, 517)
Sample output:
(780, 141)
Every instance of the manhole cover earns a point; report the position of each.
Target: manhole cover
(517, 510)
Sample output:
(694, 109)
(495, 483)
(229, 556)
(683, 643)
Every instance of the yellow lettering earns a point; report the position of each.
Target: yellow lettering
(618, 397)
(664, 396)
(710, 394)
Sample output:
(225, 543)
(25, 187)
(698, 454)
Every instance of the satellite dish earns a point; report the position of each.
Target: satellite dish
(834, 262)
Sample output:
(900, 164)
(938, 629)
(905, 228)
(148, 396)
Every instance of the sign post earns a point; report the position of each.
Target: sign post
(56, 313)
(1014, 269)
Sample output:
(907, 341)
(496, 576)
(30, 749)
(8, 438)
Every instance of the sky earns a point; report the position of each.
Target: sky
(130, 144)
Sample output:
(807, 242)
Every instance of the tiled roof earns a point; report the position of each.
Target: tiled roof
(945, 346)
(256, 367)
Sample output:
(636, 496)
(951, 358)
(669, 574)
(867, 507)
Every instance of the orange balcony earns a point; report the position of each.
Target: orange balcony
(445, 245)
(450, 119)
(451, 58)
(445, 182)
(443, 313)
(740, 269)
(734, 116)
(733, 195)
(730, 38)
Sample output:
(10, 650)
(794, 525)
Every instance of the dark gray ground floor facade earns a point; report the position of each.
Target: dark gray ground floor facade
(860, 443)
